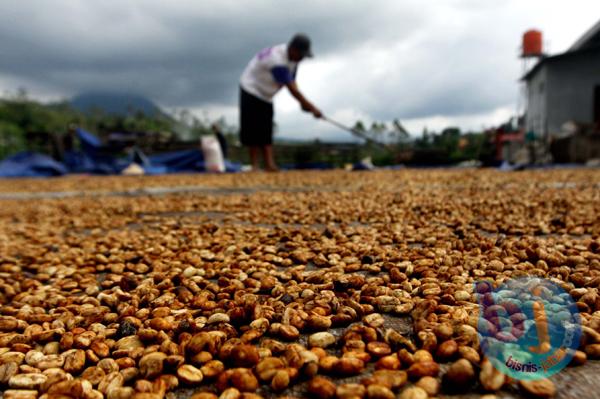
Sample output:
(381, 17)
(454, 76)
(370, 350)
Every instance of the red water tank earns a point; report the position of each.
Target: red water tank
(532, 43)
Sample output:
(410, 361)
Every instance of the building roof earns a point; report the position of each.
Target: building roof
(589, 40)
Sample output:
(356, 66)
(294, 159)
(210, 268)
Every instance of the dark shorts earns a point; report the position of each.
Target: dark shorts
(256, 120)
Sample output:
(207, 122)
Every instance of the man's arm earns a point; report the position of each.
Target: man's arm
(304, 103)
(283, 76)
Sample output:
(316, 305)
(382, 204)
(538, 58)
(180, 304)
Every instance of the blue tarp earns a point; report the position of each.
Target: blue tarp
(89, 142)
(232, 166)
(308, 166)
(29, 164)
(179, 161)
(96, 158)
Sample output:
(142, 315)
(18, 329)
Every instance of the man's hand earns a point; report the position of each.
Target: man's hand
(308, 107)
(304, 103)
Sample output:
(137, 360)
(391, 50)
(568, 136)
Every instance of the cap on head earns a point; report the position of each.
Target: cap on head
(301, 42)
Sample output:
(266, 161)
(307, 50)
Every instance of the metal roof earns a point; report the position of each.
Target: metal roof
(590, 40)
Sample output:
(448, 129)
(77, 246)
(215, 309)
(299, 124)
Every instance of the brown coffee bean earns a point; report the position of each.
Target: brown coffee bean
(108, 365)
(189, 374)
(8, 325)
(280, 381)
(422, 356)
(110, 381)
(160, 323)
(209, 341)
(129, 343)
(593, 351)
(374, 320)
(543, 388)
(406, 358)
(230, 393)
(51, 348)
(579, 358)
(172, 362)
(148, 395)
(460, 375)
(74, 388)
(151, 365)
(120, 393)
(27, 381)
(364, 356)
(204, 395)
(91, 357)
(321, 340)
(350, 391)
(430, 385)
(443, 331)
(327, 363)
(392, 379)
(318, 323)
(244, 355)
(490, 378)
(390, 362)
(266, 368)
(54, 379)
(423, 368)
(355, 345)
(160, 386)
(201, 358)
(74, 361)
(348, 366)
(83, 340)
(244, 380)
(18, 357)
(378, 348)
(7, 370)
(447, 350)
(50, 361)
(375, 391)
(20, 394)
(462, 295)
(143, 386)
(93, 374)
(212, 369)
(466, 352)
(100, 348)
(288, 332)
(322, 388)
(413, 393)
(129, 374)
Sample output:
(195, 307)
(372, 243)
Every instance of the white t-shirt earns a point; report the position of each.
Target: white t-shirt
(268, 72)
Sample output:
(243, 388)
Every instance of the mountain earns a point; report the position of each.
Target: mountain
(114, 103)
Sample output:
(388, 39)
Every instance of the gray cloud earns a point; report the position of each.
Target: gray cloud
(181, 54)
(411, 59)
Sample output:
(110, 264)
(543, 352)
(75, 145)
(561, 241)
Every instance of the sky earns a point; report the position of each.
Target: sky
(429, 63)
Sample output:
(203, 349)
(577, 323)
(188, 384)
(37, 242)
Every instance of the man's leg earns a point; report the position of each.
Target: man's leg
(254, 157)
(269, 161)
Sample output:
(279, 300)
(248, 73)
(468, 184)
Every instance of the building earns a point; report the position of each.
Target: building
(565, 88)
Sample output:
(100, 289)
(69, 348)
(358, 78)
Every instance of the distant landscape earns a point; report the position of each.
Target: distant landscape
(30, 125)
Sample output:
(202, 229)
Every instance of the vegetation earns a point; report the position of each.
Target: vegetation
(450, 146)
(26, 124)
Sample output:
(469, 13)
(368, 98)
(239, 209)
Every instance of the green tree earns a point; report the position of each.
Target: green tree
(12, 139)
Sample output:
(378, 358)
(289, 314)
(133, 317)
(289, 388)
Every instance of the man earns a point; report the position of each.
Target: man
(270, 70)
